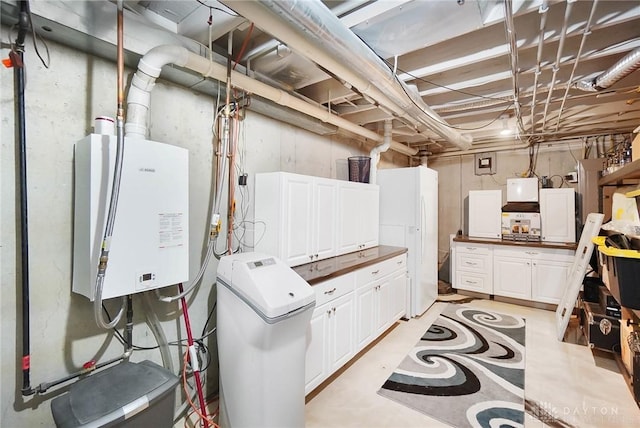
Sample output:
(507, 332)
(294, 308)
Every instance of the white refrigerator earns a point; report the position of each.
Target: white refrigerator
(409, 218)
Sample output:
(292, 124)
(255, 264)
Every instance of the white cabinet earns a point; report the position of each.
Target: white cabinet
(345, 321)
(358, 214)
(557, 215)
(330, 335)
(485, 209)
(538, 274)
(381, 291)
(472, 267)
(299, 213)
(512, 275)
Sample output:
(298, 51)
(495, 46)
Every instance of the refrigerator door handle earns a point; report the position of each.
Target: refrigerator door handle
(423, 223)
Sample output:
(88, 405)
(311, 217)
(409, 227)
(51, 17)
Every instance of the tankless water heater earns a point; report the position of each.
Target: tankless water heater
(150, 242)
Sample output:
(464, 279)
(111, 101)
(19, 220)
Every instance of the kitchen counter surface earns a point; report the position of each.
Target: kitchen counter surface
(559, 245)
(323, 270)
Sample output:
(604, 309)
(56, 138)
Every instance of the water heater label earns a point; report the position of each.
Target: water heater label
(171, 230)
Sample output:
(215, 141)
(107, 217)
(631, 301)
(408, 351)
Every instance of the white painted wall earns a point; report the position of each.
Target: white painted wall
(61, 104)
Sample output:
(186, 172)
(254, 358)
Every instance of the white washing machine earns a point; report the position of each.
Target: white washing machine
(264, 308)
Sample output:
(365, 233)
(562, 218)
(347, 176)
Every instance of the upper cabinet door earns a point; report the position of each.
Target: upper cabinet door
(326, 213)
(297, 219)
(485, 209)
(369, 215)
(348, 212)
(557, 215)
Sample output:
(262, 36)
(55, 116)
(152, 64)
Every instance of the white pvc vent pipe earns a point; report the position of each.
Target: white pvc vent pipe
(149, 70)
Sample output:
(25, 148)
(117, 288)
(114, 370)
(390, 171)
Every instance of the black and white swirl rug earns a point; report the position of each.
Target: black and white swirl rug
(467, 370)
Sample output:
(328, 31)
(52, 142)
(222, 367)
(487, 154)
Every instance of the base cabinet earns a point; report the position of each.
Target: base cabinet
(521, 272)
(539, 275)
(473, 268)
(330, 335)
(351, 311)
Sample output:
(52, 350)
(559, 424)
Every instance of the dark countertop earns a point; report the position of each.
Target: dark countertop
(558, 245)
(335, 266)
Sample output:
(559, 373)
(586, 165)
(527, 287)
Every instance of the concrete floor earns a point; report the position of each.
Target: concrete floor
(566, 384)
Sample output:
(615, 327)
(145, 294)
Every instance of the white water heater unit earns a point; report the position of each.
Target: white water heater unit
(150, 242)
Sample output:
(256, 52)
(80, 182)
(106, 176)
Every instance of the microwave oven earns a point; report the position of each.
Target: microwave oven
(522, 189)
(521, 226)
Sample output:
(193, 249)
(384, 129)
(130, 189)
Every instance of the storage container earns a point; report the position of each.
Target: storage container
(125, 395)
(620, 271)
(600, 330)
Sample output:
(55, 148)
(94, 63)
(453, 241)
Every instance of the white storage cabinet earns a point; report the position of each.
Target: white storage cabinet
(381, 292)
(299, 213)
(558, 215)
(331, 332)
(485, 209)
(473, 267)
(537, 274)
(358, 216)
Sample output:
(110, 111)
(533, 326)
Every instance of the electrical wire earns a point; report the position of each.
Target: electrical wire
(202, 417)
(35, 38)
(216, 8)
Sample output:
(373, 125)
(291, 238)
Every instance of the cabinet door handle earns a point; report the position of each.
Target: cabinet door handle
(330, 291)
(471, 263)
(375, 272)
(399, 262)
(471, 248)
(329, 312)
(531, 253)
(334, 310)
(471, 282)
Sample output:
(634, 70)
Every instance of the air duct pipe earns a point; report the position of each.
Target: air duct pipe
(151, 64)
(314, 31)
(375, 152)
(616, 72)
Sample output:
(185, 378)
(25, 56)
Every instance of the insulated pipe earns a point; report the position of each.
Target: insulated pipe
(315, 32)
(375, 152)
(616, 72)
(152, 62)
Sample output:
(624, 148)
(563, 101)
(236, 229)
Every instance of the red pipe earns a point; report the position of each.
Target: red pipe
(196, 373)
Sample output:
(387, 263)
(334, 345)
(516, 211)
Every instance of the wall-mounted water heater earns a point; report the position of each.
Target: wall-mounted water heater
(150, 241)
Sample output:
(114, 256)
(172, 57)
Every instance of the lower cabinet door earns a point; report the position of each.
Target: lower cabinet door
(512, 277)
(316, 362)
(399, 287)
(548, 280)
(365, 302)
(341, 336)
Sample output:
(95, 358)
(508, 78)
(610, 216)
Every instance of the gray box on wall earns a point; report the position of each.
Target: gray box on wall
(485, 163)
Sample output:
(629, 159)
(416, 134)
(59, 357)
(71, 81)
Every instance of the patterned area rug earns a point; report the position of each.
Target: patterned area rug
(467, 370)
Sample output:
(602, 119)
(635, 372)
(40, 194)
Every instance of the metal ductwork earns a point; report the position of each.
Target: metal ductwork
(616, 72)
(312, 30)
